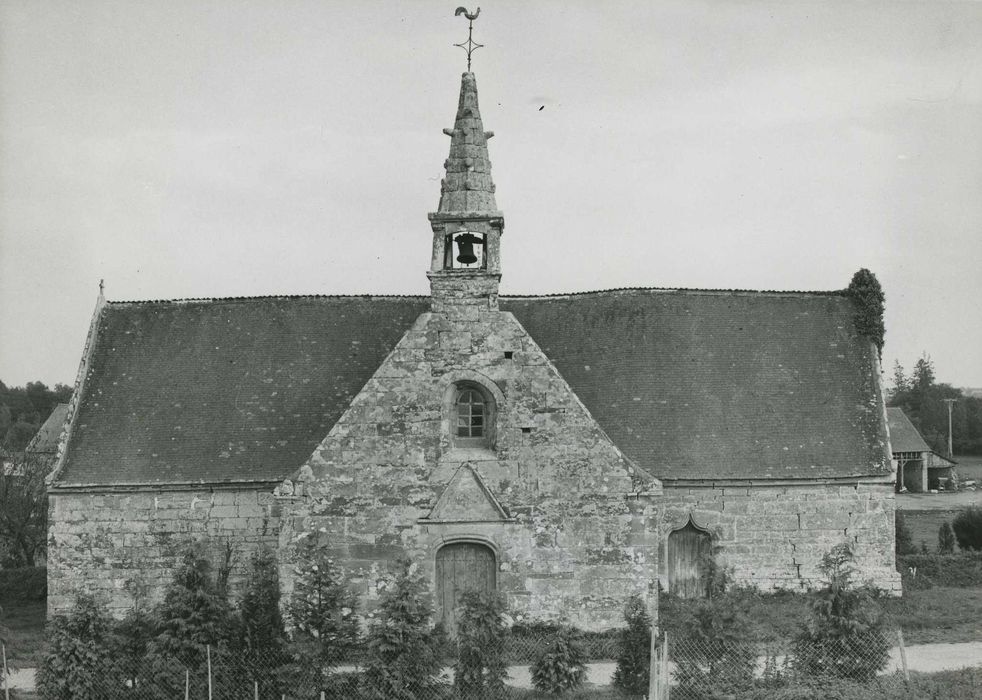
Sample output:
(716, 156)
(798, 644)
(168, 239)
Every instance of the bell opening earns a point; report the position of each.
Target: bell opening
(465, 251)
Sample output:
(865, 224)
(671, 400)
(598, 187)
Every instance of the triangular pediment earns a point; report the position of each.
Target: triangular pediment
(467, 499)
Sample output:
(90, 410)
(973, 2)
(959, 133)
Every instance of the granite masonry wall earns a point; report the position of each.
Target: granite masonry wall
(572, 523)
(123, 545)
(773, 536)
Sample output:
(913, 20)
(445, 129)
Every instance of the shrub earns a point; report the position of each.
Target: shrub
(322, 609)
(481, 670)
(192, 616)
(78, 664)
(946, 538)
(961, 570)
(561, 665)
(261, 645)
(968, 528)
(904, 540)
(844, 636)
(715, 656)
(634, 649)
(25, 583)
(402, 660)
(131, 638)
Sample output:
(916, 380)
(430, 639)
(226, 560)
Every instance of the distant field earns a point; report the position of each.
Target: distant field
(924, 524)
(970, 467)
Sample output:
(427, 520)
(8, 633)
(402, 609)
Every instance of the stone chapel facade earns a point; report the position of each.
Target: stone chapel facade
(567, 451)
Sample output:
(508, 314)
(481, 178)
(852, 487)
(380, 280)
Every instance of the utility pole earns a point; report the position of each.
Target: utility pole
(949, 402)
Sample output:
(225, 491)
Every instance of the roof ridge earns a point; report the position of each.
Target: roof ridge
(191, 300)
(695, 290)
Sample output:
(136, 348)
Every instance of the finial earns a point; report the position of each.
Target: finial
(102, 287)
(470, 46)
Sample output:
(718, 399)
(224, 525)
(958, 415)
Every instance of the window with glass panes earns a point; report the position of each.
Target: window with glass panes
(470, 414)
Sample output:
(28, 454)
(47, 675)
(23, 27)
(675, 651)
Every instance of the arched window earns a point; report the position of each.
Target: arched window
(473, 416)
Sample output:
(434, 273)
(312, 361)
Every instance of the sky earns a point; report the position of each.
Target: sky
(215, 148)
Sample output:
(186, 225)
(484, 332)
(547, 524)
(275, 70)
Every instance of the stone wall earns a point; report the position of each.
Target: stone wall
(124, 544)
(573, 524)
(773, 536)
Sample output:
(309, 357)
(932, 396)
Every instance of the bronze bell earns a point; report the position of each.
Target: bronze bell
(465, 244)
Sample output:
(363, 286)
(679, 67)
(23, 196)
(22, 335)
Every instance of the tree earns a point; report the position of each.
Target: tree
(260, 647)
(481, 670)
(560, 666)
(716, 657)
(901, 383)
(634, 649)
(843, 637)
(78, 664)
(904, 541)
(323, 610)
(403, 663)
(23, 508)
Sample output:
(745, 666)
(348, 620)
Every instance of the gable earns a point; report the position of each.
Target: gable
(904, 437)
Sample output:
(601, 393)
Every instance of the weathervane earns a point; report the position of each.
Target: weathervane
(470, 46)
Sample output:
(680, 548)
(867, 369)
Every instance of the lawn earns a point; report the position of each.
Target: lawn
(22, 627)
(924, 524)
(969, 467)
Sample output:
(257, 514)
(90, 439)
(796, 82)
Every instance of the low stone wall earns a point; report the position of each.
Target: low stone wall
(123, 545)
(773, 536)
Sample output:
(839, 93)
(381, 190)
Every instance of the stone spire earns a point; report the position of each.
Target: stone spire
(467, 187)
(465, 266)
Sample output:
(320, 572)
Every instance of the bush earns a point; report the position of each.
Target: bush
(715, 655)
(79, 662)
(962, 570)
(946, 539)
(968, 528)
(403, 663)
(634, 649)
(904, 540)
(322, 608)
(561, 665)
(844, 637)
(481, 670)
(261, 645)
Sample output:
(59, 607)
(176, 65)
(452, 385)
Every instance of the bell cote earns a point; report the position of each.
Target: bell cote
(465, 267)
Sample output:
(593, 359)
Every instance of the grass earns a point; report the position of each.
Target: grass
(22, 627)
(969, 467)
(924, 524)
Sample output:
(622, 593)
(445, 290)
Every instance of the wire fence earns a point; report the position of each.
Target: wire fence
(684, 669)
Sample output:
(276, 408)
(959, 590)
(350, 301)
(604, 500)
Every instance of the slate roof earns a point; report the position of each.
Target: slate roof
(689, 384)
(45, 441)
(904, 437)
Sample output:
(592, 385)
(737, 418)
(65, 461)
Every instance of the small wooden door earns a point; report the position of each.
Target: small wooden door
(460, 567)
(689, 551)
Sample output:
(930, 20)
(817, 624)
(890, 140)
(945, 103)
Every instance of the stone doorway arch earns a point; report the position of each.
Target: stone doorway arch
(460, 567)
(687, 557)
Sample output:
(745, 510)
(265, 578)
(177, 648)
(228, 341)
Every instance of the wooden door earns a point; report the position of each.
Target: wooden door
(689, 551)
(461, 567)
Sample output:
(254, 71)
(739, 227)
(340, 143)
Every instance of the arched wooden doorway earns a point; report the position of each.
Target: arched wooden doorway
(689, 551)
(461, 566)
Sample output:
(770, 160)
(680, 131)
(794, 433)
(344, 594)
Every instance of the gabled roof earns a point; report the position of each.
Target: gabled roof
(45, 441)
(903, 435)
(689, 384)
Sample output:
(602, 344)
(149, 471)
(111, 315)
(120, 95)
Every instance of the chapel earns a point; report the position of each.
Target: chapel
(567, 451)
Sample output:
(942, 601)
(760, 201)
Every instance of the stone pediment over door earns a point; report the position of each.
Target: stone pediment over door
(467, 498)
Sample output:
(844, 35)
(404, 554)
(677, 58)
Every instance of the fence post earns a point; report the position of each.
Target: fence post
(187, 684)
(255, 685)
(903, 655)
(664, 669)
(208, 648)
(653, 666)
(6, 673)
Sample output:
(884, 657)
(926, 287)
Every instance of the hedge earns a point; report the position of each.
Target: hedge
(963, 570)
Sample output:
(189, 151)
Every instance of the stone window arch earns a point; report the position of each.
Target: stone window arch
(473, 414)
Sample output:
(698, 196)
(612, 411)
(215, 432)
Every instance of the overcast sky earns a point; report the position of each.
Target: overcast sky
(242, 148)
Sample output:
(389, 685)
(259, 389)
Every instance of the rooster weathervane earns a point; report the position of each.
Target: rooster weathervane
(470, 46)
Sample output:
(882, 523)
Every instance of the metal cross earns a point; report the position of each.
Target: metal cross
(470, 46)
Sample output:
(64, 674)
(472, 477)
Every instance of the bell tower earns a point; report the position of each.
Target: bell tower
(466, 266)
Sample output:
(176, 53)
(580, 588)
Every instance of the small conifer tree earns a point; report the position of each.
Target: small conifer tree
(323, 610)
(79, 662)
(403, 663)
(844, 635)
(261, 644)
(634, 649)
(904, 541)
(946, 538)
(481, 670)
(560, 666)
(716, 657)
(967, 527)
